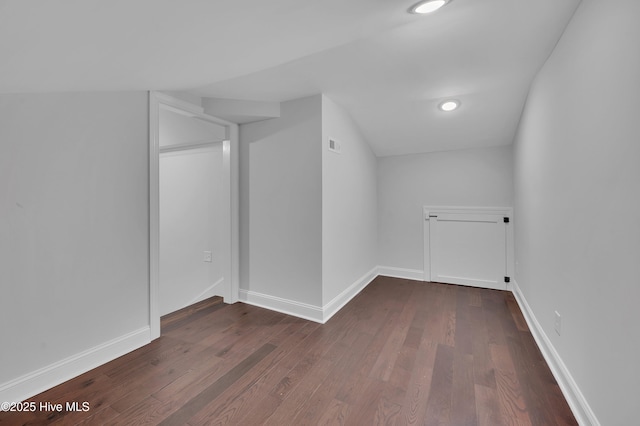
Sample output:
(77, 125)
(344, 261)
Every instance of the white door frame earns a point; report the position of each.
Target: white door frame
(230, 152)
(435, 210)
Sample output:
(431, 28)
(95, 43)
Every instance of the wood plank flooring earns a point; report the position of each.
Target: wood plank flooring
(400, 353)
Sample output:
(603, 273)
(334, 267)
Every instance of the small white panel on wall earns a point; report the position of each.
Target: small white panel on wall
(467, 246)
(334, 145)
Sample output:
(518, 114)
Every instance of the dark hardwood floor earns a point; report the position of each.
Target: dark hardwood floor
(401, 352)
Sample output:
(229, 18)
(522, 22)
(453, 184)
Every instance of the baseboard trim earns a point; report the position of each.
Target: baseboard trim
(279, 304)
(209, 292)
(408, 274)
(338, 302)
(304, 310)
(576, 400)
(38, 381)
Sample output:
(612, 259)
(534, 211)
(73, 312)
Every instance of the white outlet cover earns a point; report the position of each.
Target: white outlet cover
(207, 256)
(334, 145)
(558, 323)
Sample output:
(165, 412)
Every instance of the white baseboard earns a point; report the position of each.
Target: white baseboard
(304, 310)
(209, 292)
(408, 274)
(349, 293)
(59, 372)
(33, 383)
(279, 304)
(576, 400)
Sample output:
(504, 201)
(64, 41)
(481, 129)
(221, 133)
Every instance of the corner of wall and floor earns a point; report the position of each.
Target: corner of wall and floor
(576, 400)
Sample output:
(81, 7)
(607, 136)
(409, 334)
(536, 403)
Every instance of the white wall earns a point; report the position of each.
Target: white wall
(281, 204)
(349, 204)
(180, 129)
(474, 177)
(577, 205)
(192, 203)
(73, 227)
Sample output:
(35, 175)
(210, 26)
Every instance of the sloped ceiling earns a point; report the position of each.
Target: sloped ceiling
(389, 69)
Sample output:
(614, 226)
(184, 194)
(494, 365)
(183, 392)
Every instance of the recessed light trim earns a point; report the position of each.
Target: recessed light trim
(449, 105)
(428, 6)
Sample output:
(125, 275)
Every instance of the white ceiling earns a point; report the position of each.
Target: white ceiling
(388, 68)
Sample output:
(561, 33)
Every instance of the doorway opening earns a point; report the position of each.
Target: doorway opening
(193, 207)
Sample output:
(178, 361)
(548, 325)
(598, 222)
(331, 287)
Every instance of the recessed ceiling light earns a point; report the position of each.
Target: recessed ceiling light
(449, 105)
(428, 6)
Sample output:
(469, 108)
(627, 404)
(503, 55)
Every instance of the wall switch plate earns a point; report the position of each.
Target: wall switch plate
(208, 256)
(558, 323)
(334, 145)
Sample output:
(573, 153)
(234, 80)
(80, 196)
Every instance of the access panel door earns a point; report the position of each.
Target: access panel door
(468, 249)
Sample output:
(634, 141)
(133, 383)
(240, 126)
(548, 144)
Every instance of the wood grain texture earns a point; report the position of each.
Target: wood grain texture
(400, 353)
(441, 390)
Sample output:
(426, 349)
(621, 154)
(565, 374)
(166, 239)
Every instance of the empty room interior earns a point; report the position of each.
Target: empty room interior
(339, 212)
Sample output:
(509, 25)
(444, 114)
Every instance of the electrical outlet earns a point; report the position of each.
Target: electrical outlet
(207, 256)
(558, 323)
(334, 146)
